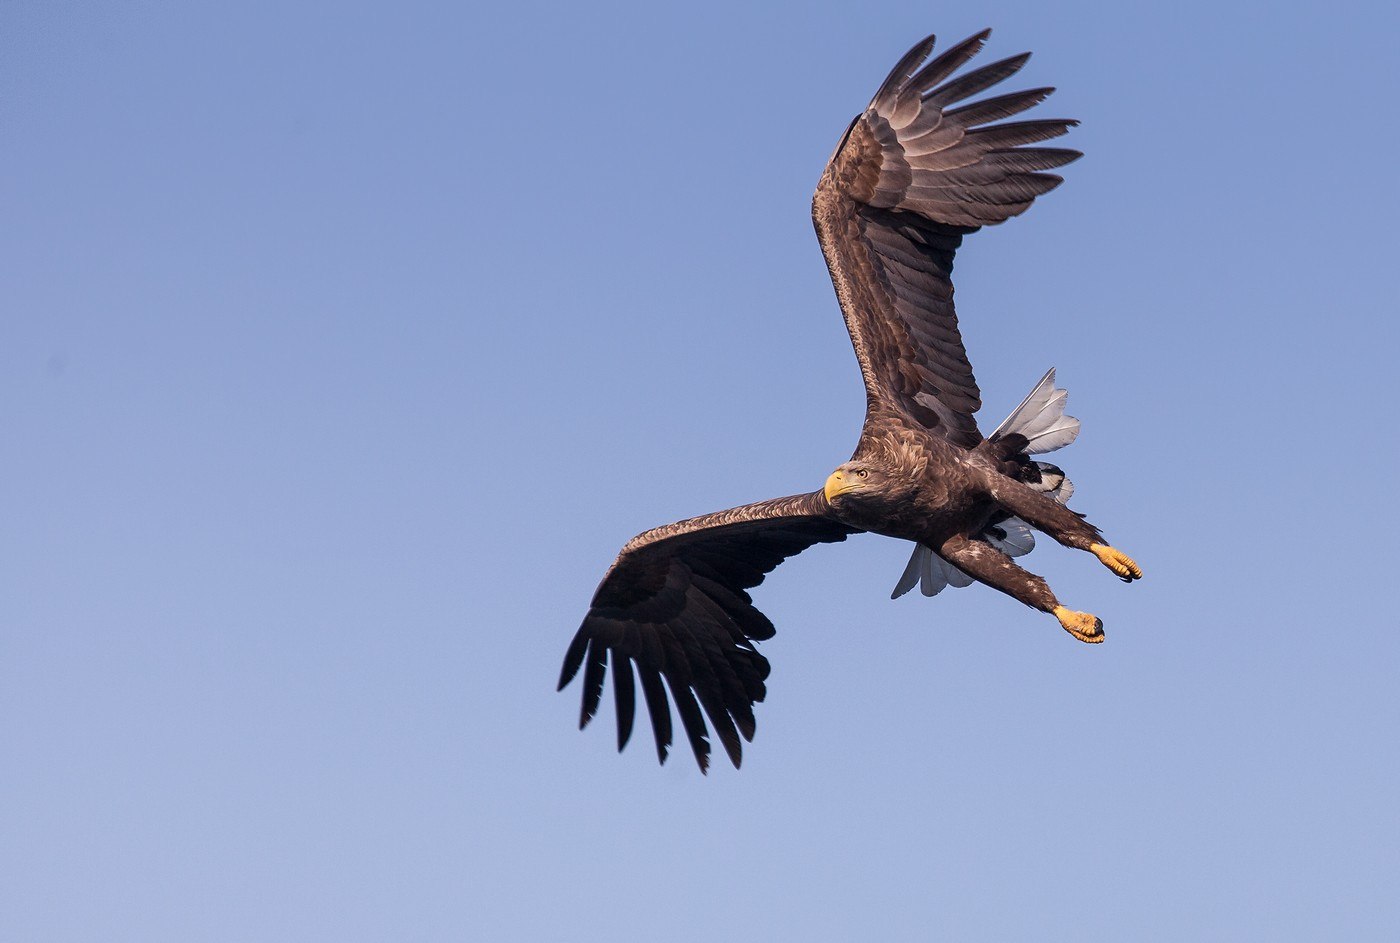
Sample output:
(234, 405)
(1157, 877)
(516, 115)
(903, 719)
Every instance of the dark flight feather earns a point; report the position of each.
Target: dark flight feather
(592, 682)
(978, 80)
(657, 707)
(903, 71)
(624, 699)
(995, 109)
(948, 62)
(693, 723)
(1027, 159)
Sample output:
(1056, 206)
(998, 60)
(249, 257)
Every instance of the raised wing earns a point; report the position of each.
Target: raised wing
(915, 173)
(675, 605)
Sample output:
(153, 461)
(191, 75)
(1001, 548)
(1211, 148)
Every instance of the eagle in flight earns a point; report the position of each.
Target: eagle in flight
(914, 173)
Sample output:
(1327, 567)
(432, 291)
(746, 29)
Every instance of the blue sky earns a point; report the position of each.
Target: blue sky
(343, 346)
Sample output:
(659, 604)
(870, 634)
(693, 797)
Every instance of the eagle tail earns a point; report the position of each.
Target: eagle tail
(1038, 425)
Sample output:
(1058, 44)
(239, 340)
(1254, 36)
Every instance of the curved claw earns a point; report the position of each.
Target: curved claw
(1119, 562)
(1082, 625)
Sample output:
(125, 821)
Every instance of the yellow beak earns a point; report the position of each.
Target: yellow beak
(838, 483)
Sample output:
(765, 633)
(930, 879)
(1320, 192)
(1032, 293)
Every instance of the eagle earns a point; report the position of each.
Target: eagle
(914, 173)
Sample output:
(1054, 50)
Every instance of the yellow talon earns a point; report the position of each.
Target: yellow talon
(1117, 561)
(1082, 625)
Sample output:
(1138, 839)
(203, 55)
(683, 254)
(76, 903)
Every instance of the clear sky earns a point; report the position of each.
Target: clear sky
(343, 346)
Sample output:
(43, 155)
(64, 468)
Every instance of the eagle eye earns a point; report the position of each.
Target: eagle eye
(863, 473)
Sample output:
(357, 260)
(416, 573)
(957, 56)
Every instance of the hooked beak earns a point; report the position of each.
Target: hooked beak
(838, 483)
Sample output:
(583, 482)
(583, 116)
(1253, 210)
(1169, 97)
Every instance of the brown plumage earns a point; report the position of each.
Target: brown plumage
(913, 174)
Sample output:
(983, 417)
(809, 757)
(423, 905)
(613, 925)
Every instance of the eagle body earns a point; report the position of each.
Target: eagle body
(918, 170)
(928, 490)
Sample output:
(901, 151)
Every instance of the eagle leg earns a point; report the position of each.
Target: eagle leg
(988, 565)
(1044, 513)
(1049, 516)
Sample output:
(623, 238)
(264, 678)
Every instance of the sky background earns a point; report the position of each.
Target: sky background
(343, 346)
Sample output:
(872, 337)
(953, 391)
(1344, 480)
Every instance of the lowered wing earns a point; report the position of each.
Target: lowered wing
(675, 606)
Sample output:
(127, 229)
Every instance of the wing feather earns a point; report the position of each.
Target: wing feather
(658, 707)
(910, 179)
(593, 675)
(1026, 159)
(978, 80)
(624, 697)
(888, 92)
(947, 62)
(1002, 106)
(693, 723)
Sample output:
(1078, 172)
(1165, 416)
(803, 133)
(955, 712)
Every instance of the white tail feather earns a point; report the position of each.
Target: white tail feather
(1063, 492)
(933, 579)
(955, 577)
(1019, 539)
(1060, 487)
(930, 572)
(1041, 418)
(1053, 482)
(911, 573)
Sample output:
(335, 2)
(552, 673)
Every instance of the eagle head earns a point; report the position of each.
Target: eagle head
(855, 480)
